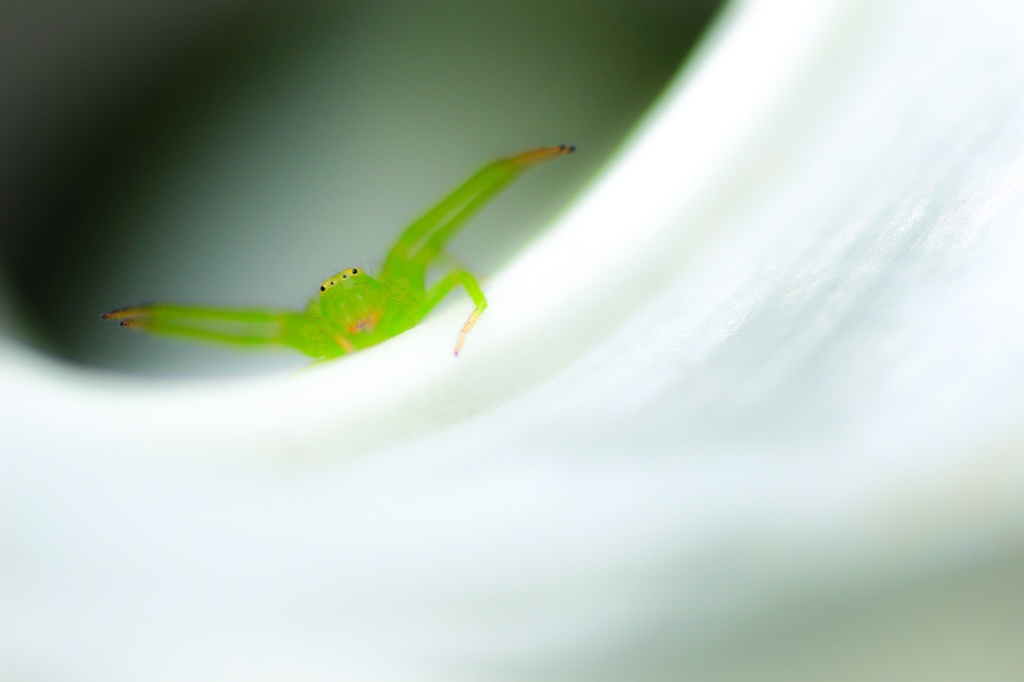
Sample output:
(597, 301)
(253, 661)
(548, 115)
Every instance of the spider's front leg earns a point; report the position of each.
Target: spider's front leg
(232, 326)
(445, 285)
(424, 242)
(424, 239)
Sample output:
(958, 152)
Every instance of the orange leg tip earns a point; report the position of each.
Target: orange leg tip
(122, 313)
(464, 332)
(535, 156)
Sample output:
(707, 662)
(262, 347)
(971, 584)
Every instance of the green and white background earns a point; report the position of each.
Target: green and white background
(748, 402)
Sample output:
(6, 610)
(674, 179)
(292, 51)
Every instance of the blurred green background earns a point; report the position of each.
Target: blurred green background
(236, 153)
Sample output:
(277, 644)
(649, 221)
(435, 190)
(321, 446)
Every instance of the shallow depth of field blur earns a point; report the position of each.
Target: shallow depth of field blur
(747, 404)
(234, 153)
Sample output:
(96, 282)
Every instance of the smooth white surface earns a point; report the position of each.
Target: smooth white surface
(761, 391)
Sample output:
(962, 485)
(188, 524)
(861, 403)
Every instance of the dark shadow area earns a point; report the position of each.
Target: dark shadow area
(62, 164)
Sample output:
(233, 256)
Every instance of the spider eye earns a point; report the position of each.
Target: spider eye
(323, 288)
(355, 271)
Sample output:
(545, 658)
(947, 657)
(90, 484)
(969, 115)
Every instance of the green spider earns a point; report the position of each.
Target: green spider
(354, 310)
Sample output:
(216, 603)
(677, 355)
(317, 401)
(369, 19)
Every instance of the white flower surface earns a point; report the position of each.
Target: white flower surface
(752, 409)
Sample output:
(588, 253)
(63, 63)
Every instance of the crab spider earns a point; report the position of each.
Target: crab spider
(351, 309)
